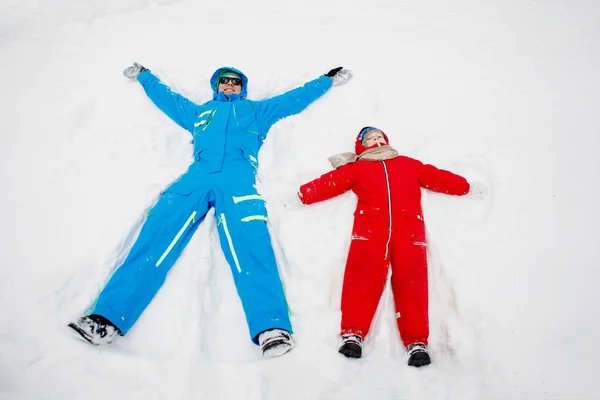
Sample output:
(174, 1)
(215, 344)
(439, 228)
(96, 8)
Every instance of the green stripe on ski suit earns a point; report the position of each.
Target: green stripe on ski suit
(230, 241)
(177, 237)
(237, 199)
(255, 218)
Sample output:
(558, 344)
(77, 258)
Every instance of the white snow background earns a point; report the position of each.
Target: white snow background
(505, 93)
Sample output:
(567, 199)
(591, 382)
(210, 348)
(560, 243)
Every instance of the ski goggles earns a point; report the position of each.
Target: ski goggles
(234, 81)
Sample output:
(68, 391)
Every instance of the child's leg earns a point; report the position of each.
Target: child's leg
(365, 275)
(409, 281)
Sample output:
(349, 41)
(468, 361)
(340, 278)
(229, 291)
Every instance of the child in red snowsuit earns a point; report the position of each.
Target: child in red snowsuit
(388, 230)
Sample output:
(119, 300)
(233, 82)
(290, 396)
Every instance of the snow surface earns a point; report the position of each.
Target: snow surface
(504, 92)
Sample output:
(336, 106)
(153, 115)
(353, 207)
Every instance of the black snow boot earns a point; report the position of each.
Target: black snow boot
(95, 329)
(351, 346)
(418, 355)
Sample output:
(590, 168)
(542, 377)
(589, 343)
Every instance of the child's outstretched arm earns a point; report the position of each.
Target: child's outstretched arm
(328, 185)
(442, 181)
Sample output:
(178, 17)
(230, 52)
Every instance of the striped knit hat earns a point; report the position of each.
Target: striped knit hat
(365, 131)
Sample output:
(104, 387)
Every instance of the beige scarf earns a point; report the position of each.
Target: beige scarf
(374, 154)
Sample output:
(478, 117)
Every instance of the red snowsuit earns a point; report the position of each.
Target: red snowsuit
(388, 229)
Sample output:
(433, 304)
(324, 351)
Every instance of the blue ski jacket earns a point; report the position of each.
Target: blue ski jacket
(229, 126)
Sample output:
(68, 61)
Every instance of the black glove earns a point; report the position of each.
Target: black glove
(333, 72)
(339, 76)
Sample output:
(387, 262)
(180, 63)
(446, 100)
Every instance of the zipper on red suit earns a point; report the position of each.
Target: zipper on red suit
(387, 181)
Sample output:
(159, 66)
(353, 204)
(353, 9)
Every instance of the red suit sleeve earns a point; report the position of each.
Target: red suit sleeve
(328, 185)
(442, 181)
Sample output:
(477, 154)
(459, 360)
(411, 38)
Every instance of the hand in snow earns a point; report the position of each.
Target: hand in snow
(339, 76)
(292, 201)
(134, 70)
(477, 191)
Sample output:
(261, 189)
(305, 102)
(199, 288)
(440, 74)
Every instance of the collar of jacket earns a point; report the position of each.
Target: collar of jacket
(378, 153)
(373, 153)
(228, 98)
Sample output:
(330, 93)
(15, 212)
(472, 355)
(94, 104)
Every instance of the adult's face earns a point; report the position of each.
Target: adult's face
(230, 85)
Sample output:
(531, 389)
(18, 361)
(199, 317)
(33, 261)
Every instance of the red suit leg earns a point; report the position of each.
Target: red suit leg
(409, 280)
(365, 274)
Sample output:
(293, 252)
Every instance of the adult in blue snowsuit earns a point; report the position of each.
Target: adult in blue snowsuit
(228, 132)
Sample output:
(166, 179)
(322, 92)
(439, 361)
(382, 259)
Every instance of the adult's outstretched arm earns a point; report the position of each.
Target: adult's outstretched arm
(292, 102)
(177, 107)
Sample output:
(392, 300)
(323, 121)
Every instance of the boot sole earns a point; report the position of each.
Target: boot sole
(419, 359)
(351, 350)
(277, 348)
(80, 334)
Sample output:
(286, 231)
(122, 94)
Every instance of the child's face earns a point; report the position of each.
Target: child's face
(374, 137)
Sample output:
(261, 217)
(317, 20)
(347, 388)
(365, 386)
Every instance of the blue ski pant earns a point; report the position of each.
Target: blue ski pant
(242, 225)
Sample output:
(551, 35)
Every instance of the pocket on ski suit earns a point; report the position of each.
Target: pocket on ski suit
(369, 223)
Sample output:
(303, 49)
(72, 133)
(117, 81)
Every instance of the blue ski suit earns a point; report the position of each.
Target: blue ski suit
(227, 134)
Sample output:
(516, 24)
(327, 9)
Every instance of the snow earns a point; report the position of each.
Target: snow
(505, 93)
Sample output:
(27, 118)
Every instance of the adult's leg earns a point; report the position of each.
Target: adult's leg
(409, 280)
(168, 228)
(246, 243)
